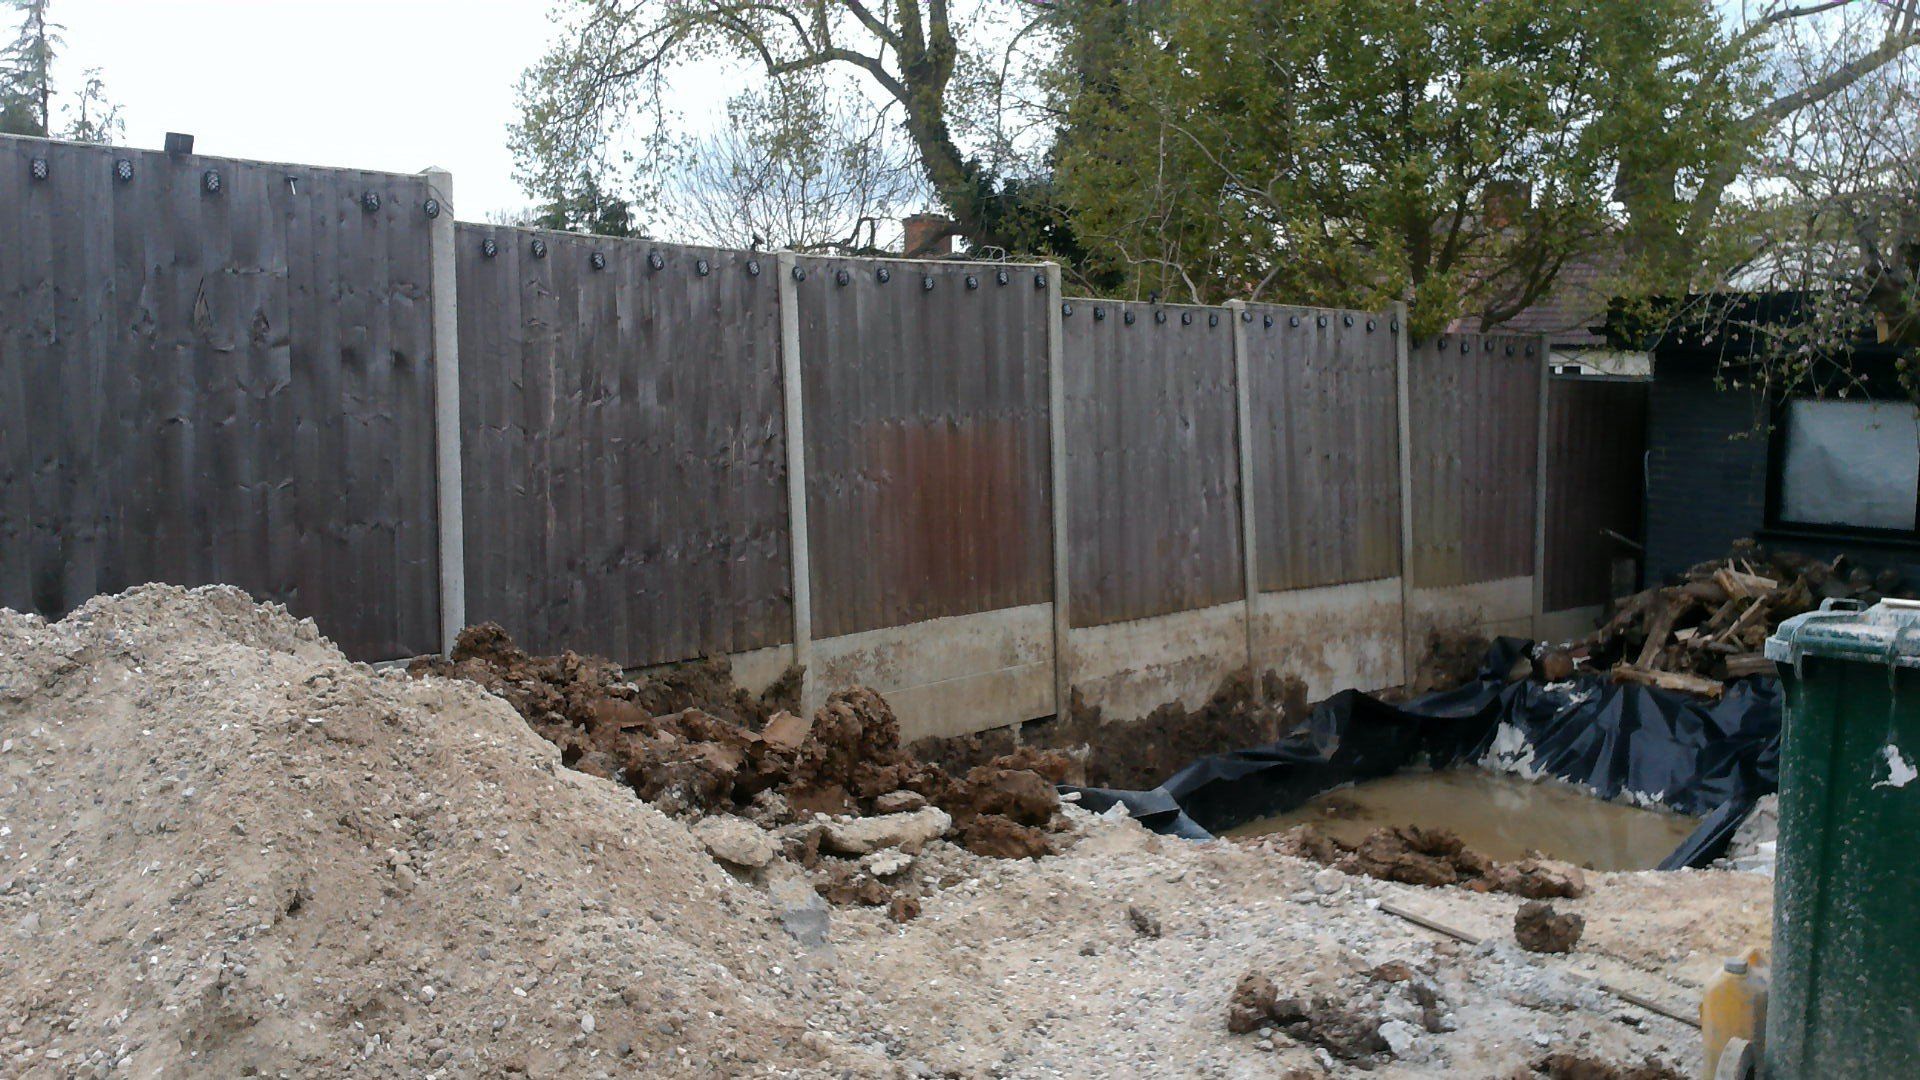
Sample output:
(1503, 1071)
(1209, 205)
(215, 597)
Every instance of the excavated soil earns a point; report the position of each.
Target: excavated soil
(226, 851)
(1137, 755)
(1415, 856)
(688, 740)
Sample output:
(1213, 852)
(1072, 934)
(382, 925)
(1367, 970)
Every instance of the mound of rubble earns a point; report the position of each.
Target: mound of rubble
(226, 851)
(689, 741)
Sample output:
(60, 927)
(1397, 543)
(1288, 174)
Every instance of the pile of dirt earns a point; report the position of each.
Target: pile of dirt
(1453, 659)
(1412, 855)
(691, 742)
(229, 851)
(1137, 755)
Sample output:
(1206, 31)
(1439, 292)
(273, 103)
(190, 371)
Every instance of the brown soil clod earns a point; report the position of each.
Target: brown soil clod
(1145, 923)
(1412, 855)
(1562, 1065)
(687, 739)
(1538, 928)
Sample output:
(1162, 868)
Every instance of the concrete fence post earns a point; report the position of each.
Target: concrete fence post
(1540, 488)
(444, 282)
(1402, 350)
(792, 397)
(1057, 472)
(1249, 547)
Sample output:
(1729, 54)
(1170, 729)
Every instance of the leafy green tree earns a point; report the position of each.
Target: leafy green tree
(1457, 152)
(26, 85)
(26, 72)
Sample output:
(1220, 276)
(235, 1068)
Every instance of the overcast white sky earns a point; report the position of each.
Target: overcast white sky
(379, 84)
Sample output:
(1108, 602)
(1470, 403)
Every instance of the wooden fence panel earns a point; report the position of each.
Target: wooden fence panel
(1152, 461)
(927, 467)
(623, 445)
(1326, 446)
(1474, 404)
(1596, 442)
(218, 371)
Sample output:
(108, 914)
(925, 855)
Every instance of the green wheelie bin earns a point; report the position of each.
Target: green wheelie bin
(1845, 996)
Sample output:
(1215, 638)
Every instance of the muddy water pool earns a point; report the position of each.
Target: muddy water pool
(1498, 815)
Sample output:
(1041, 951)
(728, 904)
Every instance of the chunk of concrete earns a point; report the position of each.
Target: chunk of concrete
(734, 840)
(859, 836)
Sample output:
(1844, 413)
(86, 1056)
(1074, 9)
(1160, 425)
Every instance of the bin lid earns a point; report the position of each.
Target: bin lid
(1886, 633)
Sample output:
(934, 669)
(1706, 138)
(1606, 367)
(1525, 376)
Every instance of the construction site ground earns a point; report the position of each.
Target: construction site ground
(226, 851)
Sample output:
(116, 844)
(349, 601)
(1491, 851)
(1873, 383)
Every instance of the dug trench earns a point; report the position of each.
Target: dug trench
(229, 851)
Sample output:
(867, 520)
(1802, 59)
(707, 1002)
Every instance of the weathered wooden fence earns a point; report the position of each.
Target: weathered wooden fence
(944, 479)
(218, 371)
(1596, 485)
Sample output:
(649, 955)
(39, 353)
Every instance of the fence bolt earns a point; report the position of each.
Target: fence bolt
(1370, 325)
(1245, 315)
(1509, 350)
(538, 247)
(883, 275)
(211, 181)
(753, 267)
(1529, 350)
(1321, 322)
(1292, 320)
(1487, 345)
(431, 206)
(1440, 343)
(598, 260)
(370, 201)
(1213, 319)
(1394, 326)
(1099, 314)
(841, 277)
(656, 261)
(972, 282)
(702, 267)
(1000, 277)
(926, 283)
(488, 248)
(1346, 320)
(1159, 316)
(1040, 280)
(38, 168)
(1186, 318)
(1266, 321)
(1127, 318)
(799, 273)
(1066, 310)
(123, 170)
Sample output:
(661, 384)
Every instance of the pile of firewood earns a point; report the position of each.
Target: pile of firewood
(1713, 626)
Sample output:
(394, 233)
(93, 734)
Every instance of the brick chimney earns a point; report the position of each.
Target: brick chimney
(1505, 202)
(928, 236)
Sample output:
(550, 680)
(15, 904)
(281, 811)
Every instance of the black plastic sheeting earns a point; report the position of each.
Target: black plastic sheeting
(1696, 757)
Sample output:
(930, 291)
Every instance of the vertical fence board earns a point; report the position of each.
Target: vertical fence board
(1474, 402)
(1152, 461)
(622, 437)
(927, 491)
(173, 365)
(1326, 452)
(1596, 436)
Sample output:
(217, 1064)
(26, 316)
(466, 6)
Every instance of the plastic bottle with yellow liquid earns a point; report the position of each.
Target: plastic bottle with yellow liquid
(1733, 1013)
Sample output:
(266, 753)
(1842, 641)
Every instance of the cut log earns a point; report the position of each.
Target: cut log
(1670, 680)
(1750, 664)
